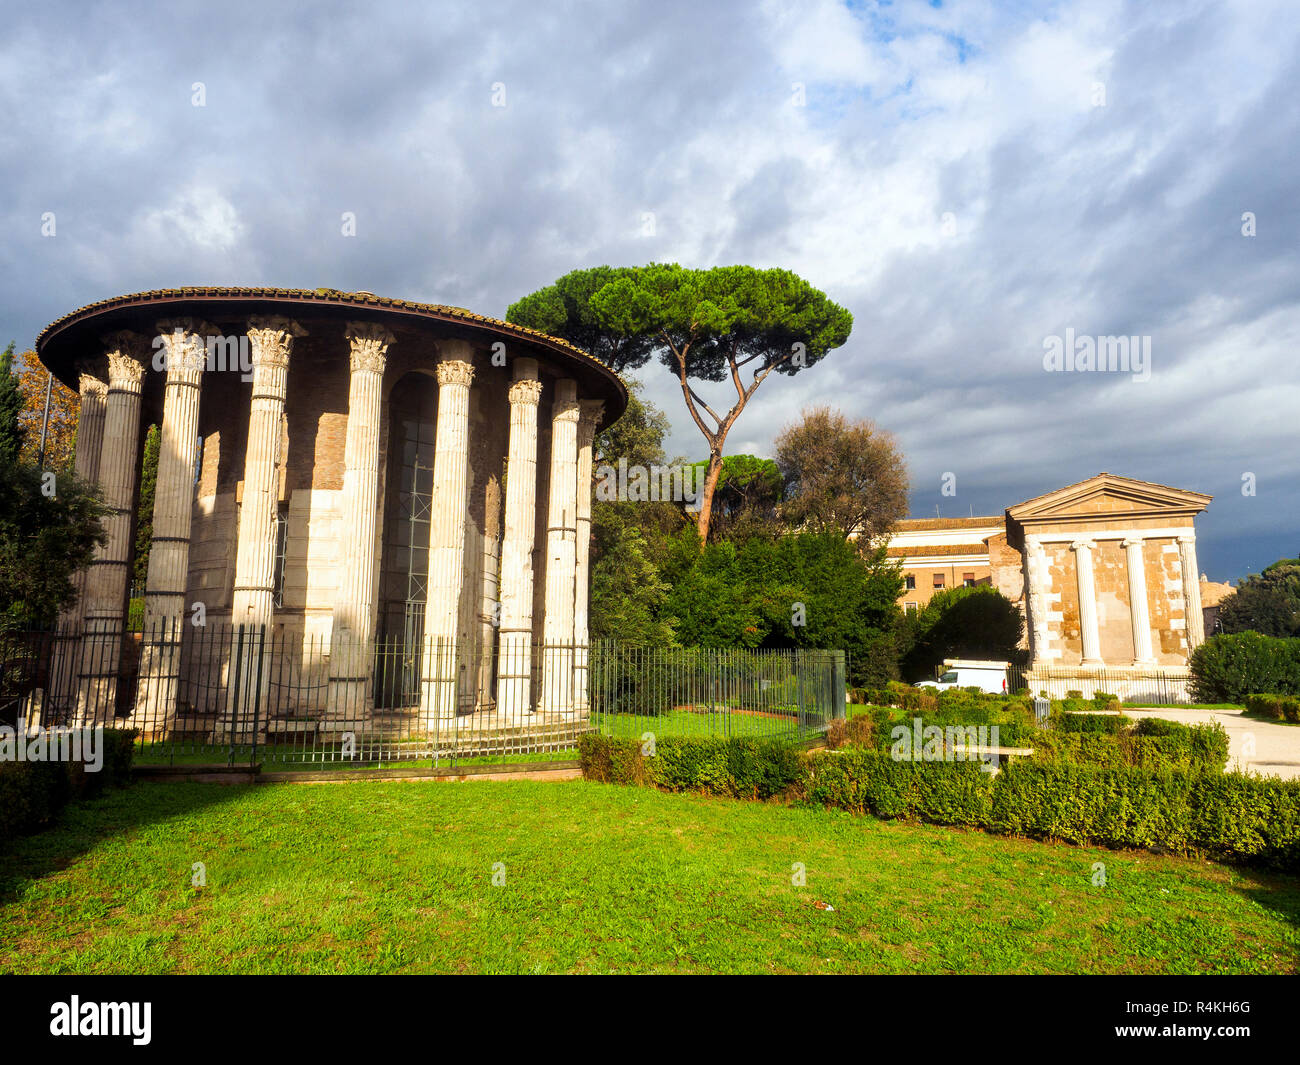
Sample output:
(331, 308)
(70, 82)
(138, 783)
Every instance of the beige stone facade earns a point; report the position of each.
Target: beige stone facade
(1105, 572)
(342, 470)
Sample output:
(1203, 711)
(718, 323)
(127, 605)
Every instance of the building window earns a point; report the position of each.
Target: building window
(910, 608)
(968, 580)
(281, 551)
(938, 580)
(909, 582)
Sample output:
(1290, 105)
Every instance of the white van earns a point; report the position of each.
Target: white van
(966, 673)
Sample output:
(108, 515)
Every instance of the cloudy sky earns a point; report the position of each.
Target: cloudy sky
(970, 179)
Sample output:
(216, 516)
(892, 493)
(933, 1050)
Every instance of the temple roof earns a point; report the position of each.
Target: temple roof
(59, 336)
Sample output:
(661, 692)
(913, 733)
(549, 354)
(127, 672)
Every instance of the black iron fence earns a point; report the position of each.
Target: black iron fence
(240, 694)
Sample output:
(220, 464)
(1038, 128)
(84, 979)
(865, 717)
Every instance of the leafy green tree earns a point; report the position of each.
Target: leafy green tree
(629, 539)
(978, 622)
(49, 528)
(705, 325)
(11, 409)
(745, 501)
(144, 511)
(564, 310)
(1267, 602)
(810, 590)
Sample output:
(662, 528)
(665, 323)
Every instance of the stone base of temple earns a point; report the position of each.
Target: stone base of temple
(1155, 684)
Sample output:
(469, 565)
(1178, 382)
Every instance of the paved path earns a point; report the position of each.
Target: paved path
(1276, 746)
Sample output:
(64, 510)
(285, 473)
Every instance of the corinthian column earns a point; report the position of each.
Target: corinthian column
(354, 607)
(1137, 603)
(590, 411)
(271, 340)
(1191, 591)
(101, 647)
(514, 641)
(90, 440)
(185, 347)
(447, 512)
(561, 553)
(1087, 603)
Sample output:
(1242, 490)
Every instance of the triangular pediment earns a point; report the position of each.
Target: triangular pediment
(1109, 496)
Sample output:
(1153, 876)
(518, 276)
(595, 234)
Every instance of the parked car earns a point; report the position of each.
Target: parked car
(966, 673)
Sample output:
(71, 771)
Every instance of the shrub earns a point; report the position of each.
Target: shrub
(33, 793)
(1226, 815)
(1227, 668)
(1085, 722)
(740, 767)
(863, 781)
(1278, 707)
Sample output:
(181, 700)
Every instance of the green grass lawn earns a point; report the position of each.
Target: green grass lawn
(397, 877)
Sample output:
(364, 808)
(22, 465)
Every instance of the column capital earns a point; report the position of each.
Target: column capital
(89, 385)
(128, 354)
(1083, 545)
(526, 391)
(185, 344)
(1186, 538)
(589, 412)
(1134, 541)
(455, 372)
(272, 339)
(368, 342)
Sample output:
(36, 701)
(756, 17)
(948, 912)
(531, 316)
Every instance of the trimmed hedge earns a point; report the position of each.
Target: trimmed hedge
(1228, 667)
(740, 767)
(1278, 707)
(33, 793)
(1226, 815)
(1086, 722)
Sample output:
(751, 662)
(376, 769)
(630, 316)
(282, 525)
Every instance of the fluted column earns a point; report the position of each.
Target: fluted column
(101, 647)
(185, 347)
(271, 340)
(590, 411)
(1191, 591)
(561, 553)
(514, 640)
(1137, 602)
(1087, 603)
(90, 440)
(354, 607)
(447, 513)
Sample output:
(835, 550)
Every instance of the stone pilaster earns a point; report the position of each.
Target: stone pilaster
(1036, 576)
(271, 340)
(1191, 591)
(514, 639)
(447, 513)
(561, 553)
(1137, 602)
(354, 609)
(90, 441)
(590, 412)
(106, 583)
(185, 346)
(1088, 631)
